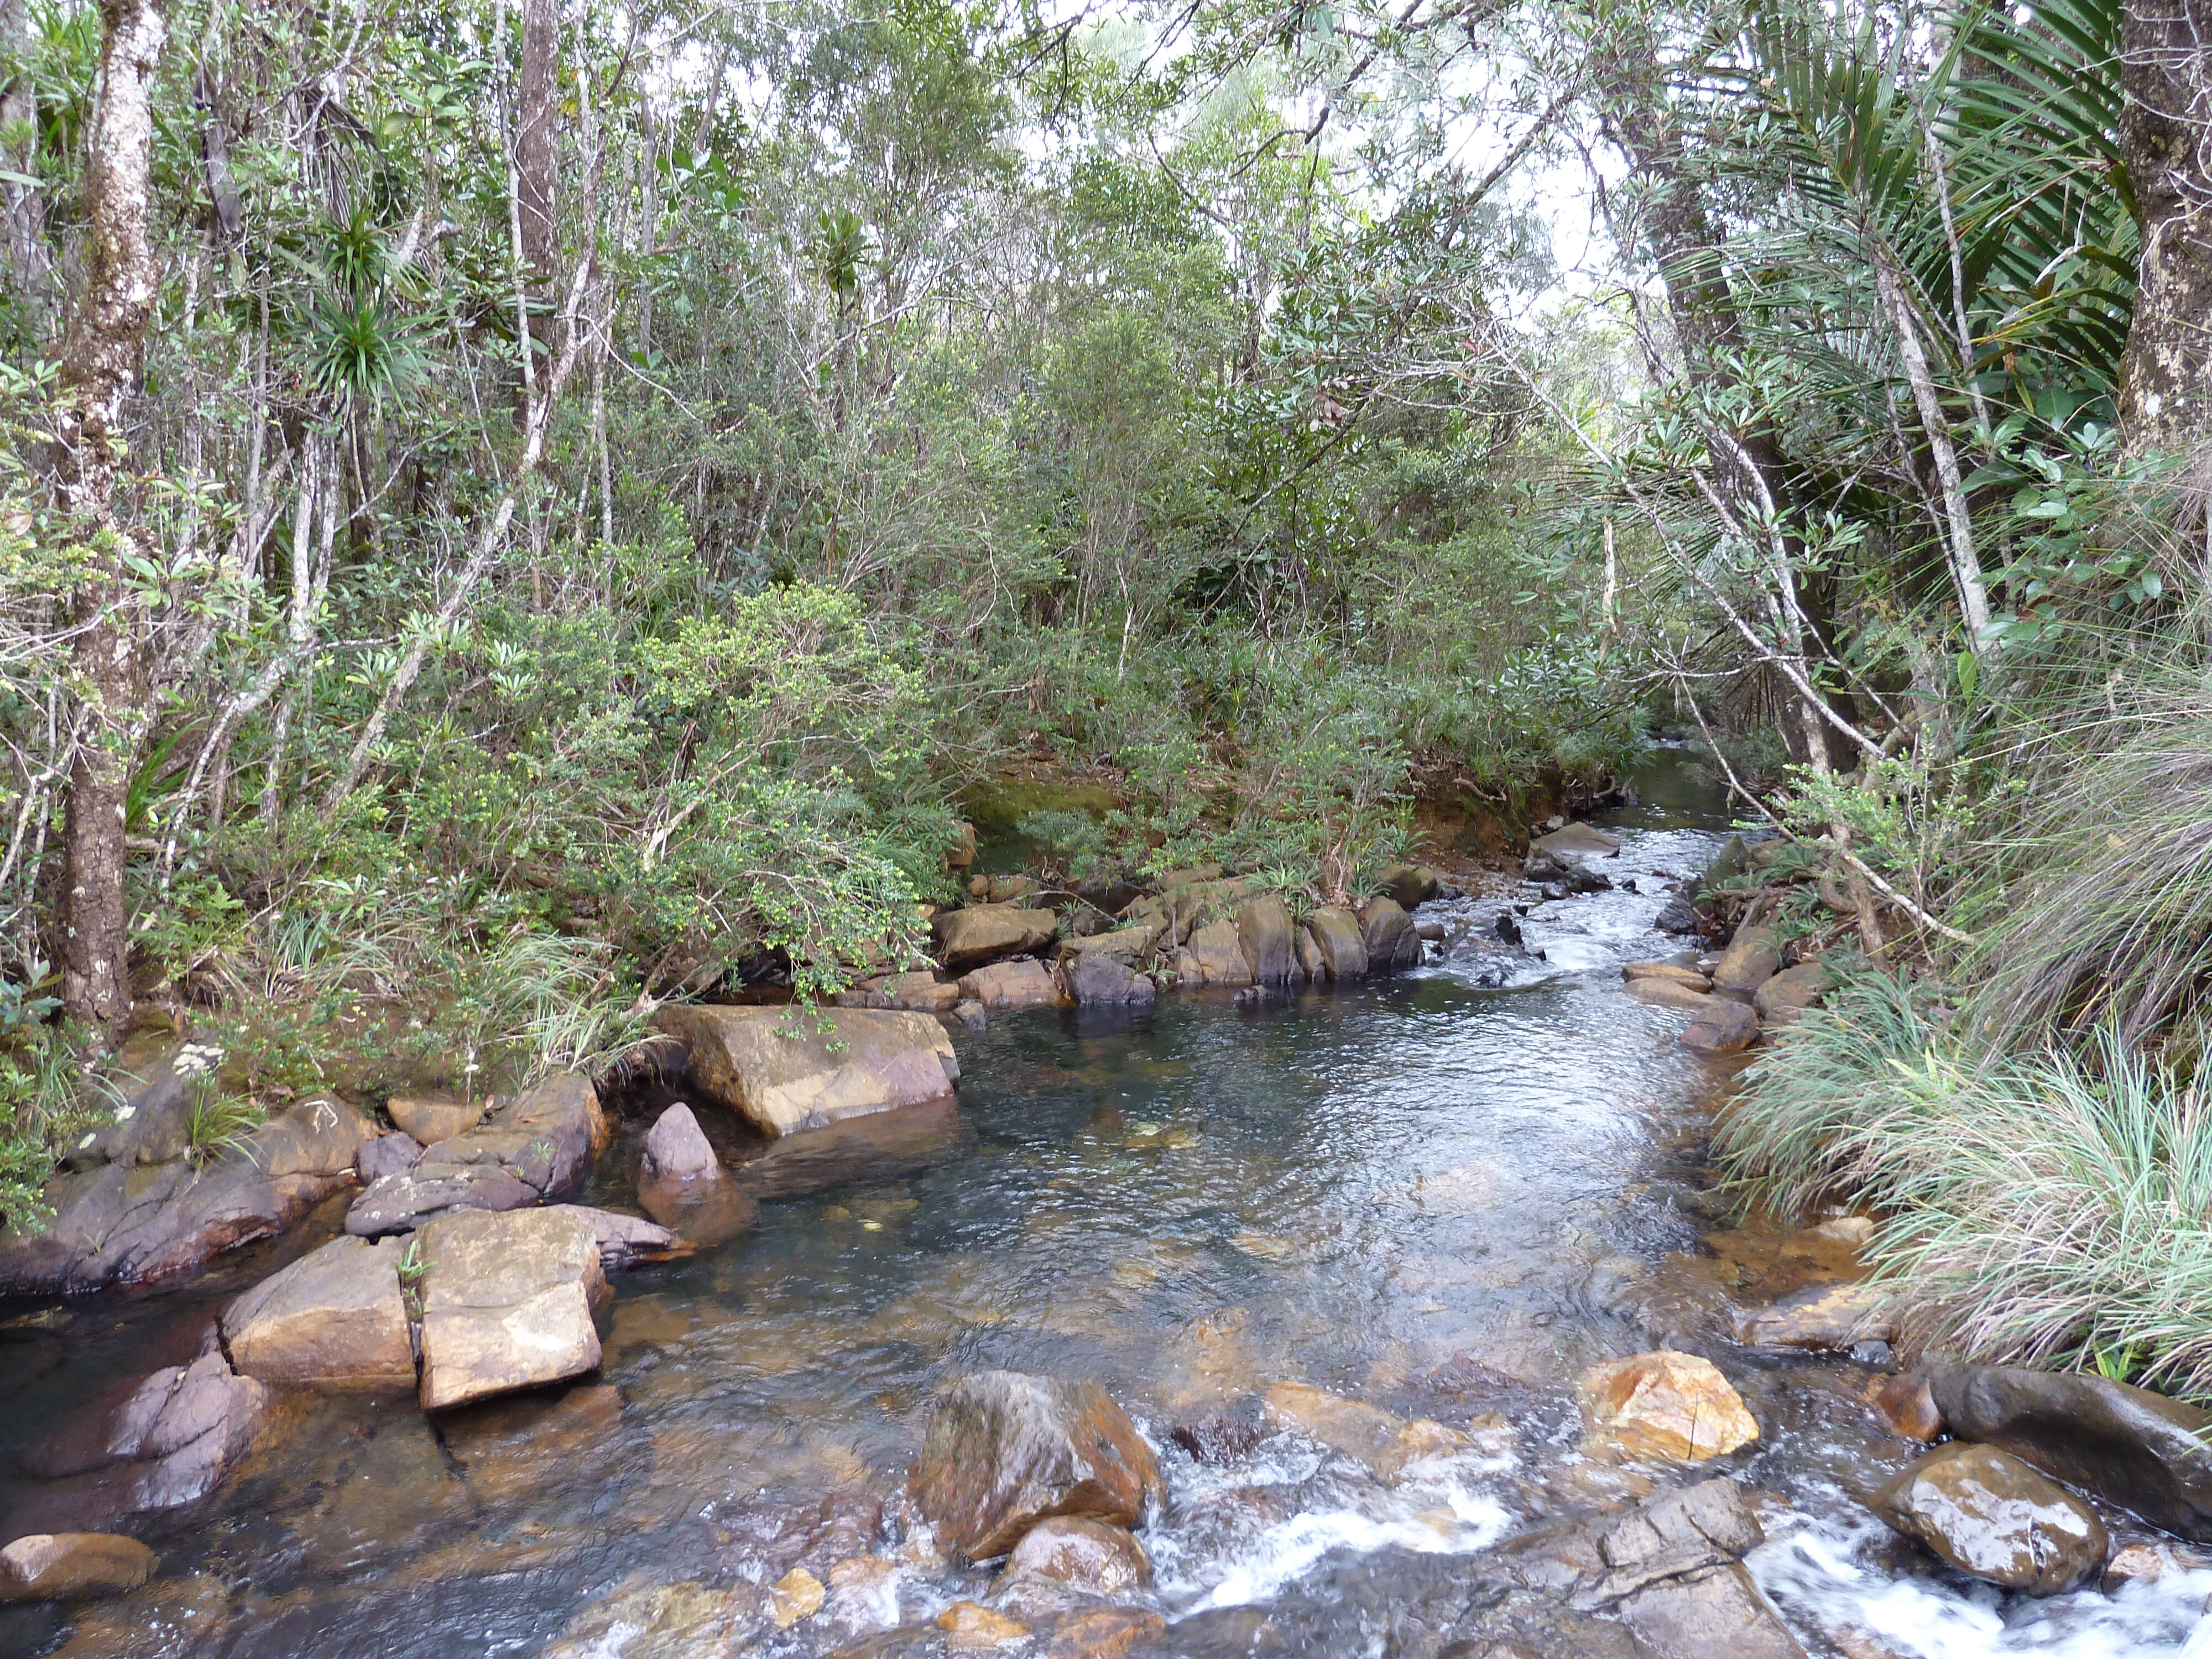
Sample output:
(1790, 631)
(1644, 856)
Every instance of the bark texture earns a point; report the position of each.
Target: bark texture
(2165, 139)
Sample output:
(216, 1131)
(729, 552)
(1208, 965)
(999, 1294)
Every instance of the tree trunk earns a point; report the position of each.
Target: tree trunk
(537, 103)
(99, 366)
(22, 216)
(2165, 132)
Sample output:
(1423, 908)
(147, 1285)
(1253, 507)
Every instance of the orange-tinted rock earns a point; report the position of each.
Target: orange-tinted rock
(1908, 1406)
(1109, 1633)
(1088, 1554)
(1992, 1516)
(1665, 1404)
(66, 1566)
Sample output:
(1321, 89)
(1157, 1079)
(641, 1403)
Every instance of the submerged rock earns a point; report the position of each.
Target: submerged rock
(2133, 1448)
(664, 1622)
(1005, 1450)
(1990, 1515)
(508, 1303)
(1091, 977)
(1091, 1555)
(783, 1072)
(334, 1319)
(189, 1424)
(1831, 1317)
(1346, 1426)
(984, 932)
(1667, 1405)
(69, 1566)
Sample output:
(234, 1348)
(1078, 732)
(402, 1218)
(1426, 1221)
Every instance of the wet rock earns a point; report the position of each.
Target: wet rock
(795, 1597)
(1106, 1560)
(2133, 1448)
(785, 1074)
(387, 1155)
(1677, 915)
(1429, 932)
(971, 1014)
(1336, 935)
(1675, 972)
(1579, 840)
(1420, 1446)
(772, 1537)
(677, 1149)
(433, 1118)
(1410, 885)
(1991, 1515)
(1108, 1633)
(1387, 934)
(663, 1621)
(1346, 1426)
(1005, 1450)
(1718, 1611)
(1313, 966)
(1721, 1028)
(188, 1424)
(971, 1627)
(2148, 1560)
(508, 1303)
(1217, 955)
(334, 1319)
(1667, 1405)
(1671, 994)
(1218, 1438)
(985, 933)
(1791, 993)
(1752, 957)
(1091, 978)
(1820, 1318)
(1005, 987)
(69, 1566)
(1508, 928)
(168, 1619)
(624, 1241)
(1562, 876)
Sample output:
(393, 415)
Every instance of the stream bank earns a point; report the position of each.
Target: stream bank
(1281, 1233)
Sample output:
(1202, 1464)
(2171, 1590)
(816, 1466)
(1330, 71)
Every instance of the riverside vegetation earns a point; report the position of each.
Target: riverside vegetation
(512, 516)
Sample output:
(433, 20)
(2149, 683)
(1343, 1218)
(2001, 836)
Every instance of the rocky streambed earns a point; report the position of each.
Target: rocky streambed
(1393, 1316)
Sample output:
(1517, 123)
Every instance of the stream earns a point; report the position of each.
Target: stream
(1441, 1193)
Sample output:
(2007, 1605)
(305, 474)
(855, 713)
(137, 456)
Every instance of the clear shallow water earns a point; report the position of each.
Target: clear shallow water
(1444, 1194)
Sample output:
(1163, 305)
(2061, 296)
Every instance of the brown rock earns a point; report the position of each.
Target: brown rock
(1343, 948)
(433, 1118)
(984, 932)
(1576, 839)
(971, 1627)
(796, 1597)
(962, 853)
(1689, 978)
(1108, 1633)
(1670, 994)
(1791, 993)
(69, 1566)
(1387, 931)
(1421, 1441)
(1411, 884)
(1268, 939)
(1705, 1614)
(661, 1621)
(1908, 1406)
(508, 1303)
(1131, 946)
(1669, 1405)
(1005, 1450)
(784, 1073)
(1004, 987)
(1992, 1516)
(334, 1319)
(1819, 1317)
(1724, 1027)
(1752, 957)
(1091, 1555)
(1313, 966)
(1218, 953)
(2148, 1560)
(1355, 1430)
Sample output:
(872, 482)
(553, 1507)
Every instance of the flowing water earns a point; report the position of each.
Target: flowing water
(1442, 1193)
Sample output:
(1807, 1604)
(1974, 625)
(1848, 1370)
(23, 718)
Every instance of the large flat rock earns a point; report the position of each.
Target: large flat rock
(984, 932)
(508, 1302)
(534, 1148)
(784, 1072)
(334, 1319)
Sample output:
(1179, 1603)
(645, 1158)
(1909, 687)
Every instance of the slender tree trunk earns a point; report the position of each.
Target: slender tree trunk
(2165, 140)
(99, 366)
(537, 105)
(22, 215)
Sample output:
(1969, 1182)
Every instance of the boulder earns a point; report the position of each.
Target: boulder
(508, 1302)
(2130, 1447)
(1670, 994)
(1579, 841)
(162, 1079)
(1215, 955)
(985, 933)
(1337, 935)
(1907, 1404)
(1105, 1561)
(1992, 1516)
(1791, 993)
(1093, 977)
(1005, 987)
(1563, 873)
(1669, 1405)
(624, 1241)
(1820, 1318)
(1689, 978)
(416, 1196)
(1411, 884)
(1720, 1028)
(971, 1014)
(433, 1118)
(677, 1149)
(1312, 965)
(1005, 1450)
(1131, 945)
(922, 992)
(1387, 931)
(962, 853)
(187, 1425)
(73, 1566)
(783, 1072)
(547, 1137)
(387, 1155)
(1752, 957)
(334, 1319)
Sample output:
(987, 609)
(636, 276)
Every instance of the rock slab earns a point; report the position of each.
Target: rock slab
(1665, 1404)
(508, 1302)
(984, 932)
(68, 1566)
(1005, 1450)
(334, 1319)
(1991, 1515)
(783, 1072)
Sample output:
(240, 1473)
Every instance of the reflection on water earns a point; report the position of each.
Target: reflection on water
(1445, 1194)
